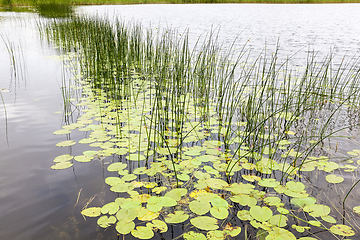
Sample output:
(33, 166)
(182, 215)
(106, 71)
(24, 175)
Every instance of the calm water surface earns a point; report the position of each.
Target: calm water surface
(39, 203)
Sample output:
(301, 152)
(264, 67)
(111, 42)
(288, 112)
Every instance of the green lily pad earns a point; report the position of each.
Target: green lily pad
(332, 178)
(158, 225)
(244, 215)
(183, 177)
(302, 202)
(118, 166)
(61, 165)
(129, 177)
(328, 219)
(194, 236)
(63, 158)
(216, 183)
(205, 223)
(219, 202)
(279, 220)
(269, 182)
(244, 200)
(215, 235)
(127, 214)
(356, 209)
(83, 158)
(199, 207)
(110, 208)
(176, 193)
(142, 232)
(125, 227)
(62, 132)
(219, 213)
(135, 157)
(91, 212)
(317, 210)
(251, 178)
(342, 230)
(167, 202)
(122, 187)
(176, 217)
(66, 143)
(232, 231)
(295, 186)
(146, 215)
(261, 214)
(274, 201)
(105, 221)
(280, 233)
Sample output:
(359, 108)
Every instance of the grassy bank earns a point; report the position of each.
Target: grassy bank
(108, 2)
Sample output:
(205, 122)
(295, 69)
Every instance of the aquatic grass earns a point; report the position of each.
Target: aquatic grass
(208, 118)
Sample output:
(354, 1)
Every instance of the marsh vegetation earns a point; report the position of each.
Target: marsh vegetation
(213, 142)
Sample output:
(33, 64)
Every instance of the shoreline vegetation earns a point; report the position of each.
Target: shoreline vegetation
(20, 3)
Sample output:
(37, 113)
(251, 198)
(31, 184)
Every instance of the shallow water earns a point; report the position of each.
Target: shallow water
(39, 203)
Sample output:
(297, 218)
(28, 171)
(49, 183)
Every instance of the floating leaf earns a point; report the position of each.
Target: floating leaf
(177, 217)
(332, 178)
(328, 219)
(146, 215)
(261, 214)
(251, 178)
(216, 183)
(274, 201)
(314, 223)
(219, 202)
(279, 220)
(91, 212)
(205, 223)
(135, 157)
(126, 214)
(176, 193)
(118, 166)
(295, 186)
(232, 231)
(142, 232)
(219, 213)
(66, 143)
(110, 208)
(122, 187)
(194, 236)
(112, 181)
(342, 230)
(269, 182)
(61, 165)
(244, 200)
(317, 210)
(83, 158)
(158, 225)
(105, 221)
(244, 215)
(199, 207)
(215, 235)
(302, 202)
(280, 233)
(63, 158)
(62, 131)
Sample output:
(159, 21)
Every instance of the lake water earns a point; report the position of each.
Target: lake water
(39, 203)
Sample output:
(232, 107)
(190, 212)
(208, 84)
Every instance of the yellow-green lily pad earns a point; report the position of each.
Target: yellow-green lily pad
(106, 221)
(142, 232)
(332, 178)
(66, 143)
(199, 207)
(176, 217)
(61, 165)
(205, 223)
(91, 212)
(194, 236)
(342, 230)
(125, 227)
(261, 214)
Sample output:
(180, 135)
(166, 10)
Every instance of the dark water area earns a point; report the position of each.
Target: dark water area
(37, 202)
